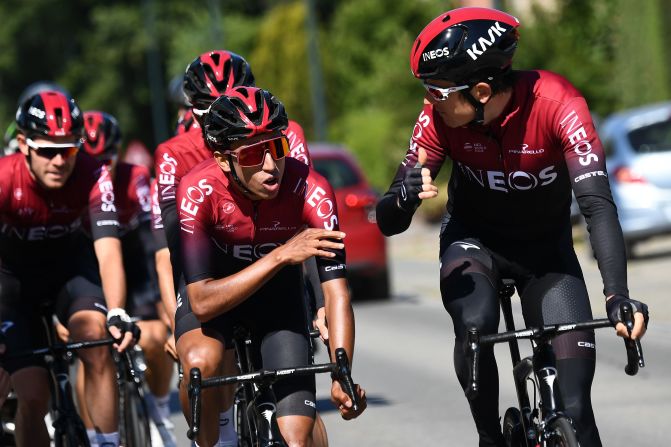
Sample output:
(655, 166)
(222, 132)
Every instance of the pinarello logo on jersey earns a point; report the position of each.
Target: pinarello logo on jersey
(228, 207)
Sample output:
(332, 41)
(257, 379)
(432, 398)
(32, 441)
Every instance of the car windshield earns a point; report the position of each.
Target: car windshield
(337, 172)
(653, 138)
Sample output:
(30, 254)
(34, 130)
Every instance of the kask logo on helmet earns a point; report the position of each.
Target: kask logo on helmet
(496, 30)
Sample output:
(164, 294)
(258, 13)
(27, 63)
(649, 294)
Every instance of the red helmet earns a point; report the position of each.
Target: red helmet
(465, 45)
(211, 74)
(50, 113)
(242, 113)
(102, 133)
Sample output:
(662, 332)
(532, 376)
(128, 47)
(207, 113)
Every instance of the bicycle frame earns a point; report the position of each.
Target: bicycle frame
(540, 367)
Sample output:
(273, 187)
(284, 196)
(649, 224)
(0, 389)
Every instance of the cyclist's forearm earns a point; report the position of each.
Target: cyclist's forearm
(165, 283)
(340, 316)
(112, 275)
(212, 297)
(390, 218)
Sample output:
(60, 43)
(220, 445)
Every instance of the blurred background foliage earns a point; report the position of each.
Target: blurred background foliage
(615, 51)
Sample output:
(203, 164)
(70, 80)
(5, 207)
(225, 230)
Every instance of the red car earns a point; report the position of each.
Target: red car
(365, 245)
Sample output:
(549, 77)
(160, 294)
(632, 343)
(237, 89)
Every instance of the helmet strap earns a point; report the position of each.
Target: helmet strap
(479, 107)
(236, 178)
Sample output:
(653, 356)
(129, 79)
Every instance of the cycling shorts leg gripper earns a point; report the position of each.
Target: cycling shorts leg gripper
(287, 349)
(78, 294)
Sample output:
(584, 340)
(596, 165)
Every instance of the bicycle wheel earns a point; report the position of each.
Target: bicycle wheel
(513, 431)
(133, 417)
(243, 426)
(560, 433)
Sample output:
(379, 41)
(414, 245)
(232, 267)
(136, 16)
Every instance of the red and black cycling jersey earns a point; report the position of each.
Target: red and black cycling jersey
(175, 157)
(156, 219)
(133, 200)
(223, 232)
(512, 178)
(37, 224)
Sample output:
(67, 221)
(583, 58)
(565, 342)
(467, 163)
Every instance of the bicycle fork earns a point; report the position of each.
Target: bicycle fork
(263, 411)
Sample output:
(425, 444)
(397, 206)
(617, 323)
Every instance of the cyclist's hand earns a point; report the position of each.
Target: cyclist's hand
(417, 185)
(344, 404)
(311, 242)
(122, 329)
(320, 323)
(62, 332)
(5, 384)
(170, 347)
(641, 316)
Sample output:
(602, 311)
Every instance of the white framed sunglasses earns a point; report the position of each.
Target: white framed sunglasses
(50, 150)
(442, 93)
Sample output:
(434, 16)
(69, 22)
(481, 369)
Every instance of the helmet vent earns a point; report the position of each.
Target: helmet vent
(59, 117)
(446, 18)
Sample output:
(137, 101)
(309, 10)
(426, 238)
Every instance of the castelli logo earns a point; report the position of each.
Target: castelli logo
(228, 207)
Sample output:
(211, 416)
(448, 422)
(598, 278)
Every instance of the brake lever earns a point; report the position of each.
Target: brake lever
(633, 347)
(344, 377)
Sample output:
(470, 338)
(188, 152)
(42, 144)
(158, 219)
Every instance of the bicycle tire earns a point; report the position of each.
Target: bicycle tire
(513, 431)
(243, 426)
(560, 433)
(134, 427)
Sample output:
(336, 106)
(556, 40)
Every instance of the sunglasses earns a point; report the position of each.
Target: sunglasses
(440, 93)
(254, 154)
(65, 150)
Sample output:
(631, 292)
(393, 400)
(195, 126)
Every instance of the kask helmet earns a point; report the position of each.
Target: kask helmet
(211, 74)
(465, 46)
(242, 113)
(102, 134)
(50, 113)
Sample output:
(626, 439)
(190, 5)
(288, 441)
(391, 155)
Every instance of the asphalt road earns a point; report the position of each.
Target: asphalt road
(404, 359)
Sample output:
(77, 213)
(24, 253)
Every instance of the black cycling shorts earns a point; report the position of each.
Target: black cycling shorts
(279, 340)
(27, 303)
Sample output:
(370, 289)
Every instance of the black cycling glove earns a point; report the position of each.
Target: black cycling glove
(411, 186)
(614, 313)
(119, 318)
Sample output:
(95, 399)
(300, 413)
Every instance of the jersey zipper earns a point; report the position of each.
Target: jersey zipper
(255, 215)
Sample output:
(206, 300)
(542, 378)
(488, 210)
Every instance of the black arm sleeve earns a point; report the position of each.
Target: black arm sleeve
(313, 284)
(390, 218)
(605, 235)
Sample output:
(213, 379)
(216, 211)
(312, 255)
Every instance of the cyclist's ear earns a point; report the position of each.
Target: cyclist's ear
(223, 161)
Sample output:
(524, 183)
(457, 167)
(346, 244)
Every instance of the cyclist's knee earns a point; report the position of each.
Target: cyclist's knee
(87, 325)
(153, 337)
(206, 359)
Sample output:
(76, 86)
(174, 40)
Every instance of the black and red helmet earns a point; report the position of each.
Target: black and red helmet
(242, 113)
(211, 74)
(465, 45)
(102, 134)
(50, 113)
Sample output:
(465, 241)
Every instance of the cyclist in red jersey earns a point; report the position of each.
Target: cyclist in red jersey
(241, 219)
(45, 190)
(520, 141)
(133, 202)
(208, 76)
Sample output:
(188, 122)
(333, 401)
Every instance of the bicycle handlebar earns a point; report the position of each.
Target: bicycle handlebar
(340, 370)
(58, 348)
(475, 340)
